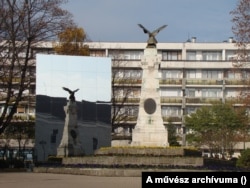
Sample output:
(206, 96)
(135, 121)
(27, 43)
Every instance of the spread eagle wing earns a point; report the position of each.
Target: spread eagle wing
(159, 29)
(66, 89)
(75, 90)
(144, 29)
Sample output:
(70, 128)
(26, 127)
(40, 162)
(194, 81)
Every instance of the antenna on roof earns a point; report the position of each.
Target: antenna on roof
(188, 40)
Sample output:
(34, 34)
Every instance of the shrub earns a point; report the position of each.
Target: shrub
(14, 163)
(17, 163)
(55, 159)
(216, 164)
(244, 159)
(4, 164)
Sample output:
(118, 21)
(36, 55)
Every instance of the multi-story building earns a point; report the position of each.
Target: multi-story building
(191, 74)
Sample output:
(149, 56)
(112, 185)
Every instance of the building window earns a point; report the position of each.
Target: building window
(231, 74)
(190, 93)
(136, 73)
(171, 111)
(95, 143)
(230, 55)
(191, 55)
(211, 56)
(245, 74)
(211, 74)
(131, 111)
(190, 110)
(171, 55)
(171, 74)
(128, 111)
(192, 74)
(128, 55)
(53, 136)
(211, 93)
(127, 74)
(171, 92)
(231, 93)
(132, 74)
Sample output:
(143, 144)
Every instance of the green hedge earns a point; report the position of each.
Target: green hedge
(11, 163)
(244, 159)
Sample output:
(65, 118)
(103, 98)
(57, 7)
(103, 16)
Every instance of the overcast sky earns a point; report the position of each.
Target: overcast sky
(116, 20)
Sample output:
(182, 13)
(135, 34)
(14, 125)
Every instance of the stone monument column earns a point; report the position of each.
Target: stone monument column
(70, 144)
(150, 130)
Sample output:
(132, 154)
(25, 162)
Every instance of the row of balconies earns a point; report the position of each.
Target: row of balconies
(127, 81)
(132, 119)
(197, 100)
(180, 100)
(23, 117)
(172, 81)
(165, 64)
(128, 100)
(18, 79)
(27, 100)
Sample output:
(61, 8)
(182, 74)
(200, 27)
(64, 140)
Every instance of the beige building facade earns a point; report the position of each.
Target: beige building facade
(191, 74)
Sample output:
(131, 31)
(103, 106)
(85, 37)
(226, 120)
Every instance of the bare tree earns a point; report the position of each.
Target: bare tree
(241, 30)
(24, 24)
(125, 96)
(22, 132)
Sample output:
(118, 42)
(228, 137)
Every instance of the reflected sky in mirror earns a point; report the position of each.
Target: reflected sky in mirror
(92, 75)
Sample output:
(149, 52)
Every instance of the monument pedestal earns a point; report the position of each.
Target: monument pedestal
(150, 130)
(70, 144)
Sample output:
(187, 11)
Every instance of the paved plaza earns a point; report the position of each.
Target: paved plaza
(48, 180)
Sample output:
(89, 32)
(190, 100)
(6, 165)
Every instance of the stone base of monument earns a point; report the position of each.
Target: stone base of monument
(130, 162)
(69, 151)
(151, 137)
(70, 143)
(133, 157)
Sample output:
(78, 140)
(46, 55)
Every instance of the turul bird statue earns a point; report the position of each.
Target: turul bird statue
(72, 93)
(151, 35)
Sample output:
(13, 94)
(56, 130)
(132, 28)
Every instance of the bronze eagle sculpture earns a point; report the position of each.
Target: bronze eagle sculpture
(71, 92)
(151, 35)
